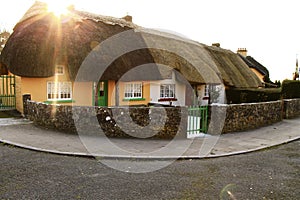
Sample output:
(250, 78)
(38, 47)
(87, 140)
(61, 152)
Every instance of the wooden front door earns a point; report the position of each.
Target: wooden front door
(102, 93)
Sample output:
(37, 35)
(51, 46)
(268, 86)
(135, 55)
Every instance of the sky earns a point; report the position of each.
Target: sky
(268, 29)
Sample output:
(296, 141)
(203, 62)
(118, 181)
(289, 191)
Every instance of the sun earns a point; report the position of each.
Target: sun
(58, 8)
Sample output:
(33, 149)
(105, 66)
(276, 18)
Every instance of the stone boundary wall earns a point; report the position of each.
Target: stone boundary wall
(291, 108)
(157, 122)
(241, 117)
(138, 122)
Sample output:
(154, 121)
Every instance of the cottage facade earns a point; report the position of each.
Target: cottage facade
(49, 55)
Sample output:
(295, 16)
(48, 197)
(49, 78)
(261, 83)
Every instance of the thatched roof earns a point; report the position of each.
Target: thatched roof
(40, 40)
(3, 69)
(234, 70)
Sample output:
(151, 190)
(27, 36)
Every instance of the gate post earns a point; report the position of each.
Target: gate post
(26, 97)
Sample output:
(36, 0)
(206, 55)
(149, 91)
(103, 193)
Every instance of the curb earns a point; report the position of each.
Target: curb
(79, 154)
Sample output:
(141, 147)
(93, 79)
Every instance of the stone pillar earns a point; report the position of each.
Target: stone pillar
(26, 97)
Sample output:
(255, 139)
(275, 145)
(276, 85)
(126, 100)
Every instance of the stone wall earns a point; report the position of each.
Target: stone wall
(291, 108)
(241, 117)
(138, 122)
(157, 122)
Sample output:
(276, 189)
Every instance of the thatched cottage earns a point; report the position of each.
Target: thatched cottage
(87, 59)
(261, 71)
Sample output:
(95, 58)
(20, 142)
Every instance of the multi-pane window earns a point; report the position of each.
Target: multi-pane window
(209, 89)
(59, 90)
(206, 91)
(167, 91)
(59, 70)
(133, 90)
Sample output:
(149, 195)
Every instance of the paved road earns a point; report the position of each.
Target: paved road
(269, 174)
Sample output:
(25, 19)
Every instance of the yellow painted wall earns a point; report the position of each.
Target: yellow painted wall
(258, 74)
(83, 93)
(146, 95)
(111, 93)
(19, 98)
(37, 88)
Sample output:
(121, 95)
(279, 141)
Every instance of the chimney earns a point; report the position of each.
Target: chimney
(216, 44)
(128, 18)
(242, 51)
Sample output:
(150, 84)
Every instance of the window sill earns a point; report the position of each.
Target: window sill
(167, 99)
(59, 101)
(137, 99)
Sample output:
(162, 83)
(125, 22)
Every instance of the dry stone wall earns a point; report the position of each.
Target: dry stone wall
(157, 122)
(241, 117)
(291, 108)
(138, 122)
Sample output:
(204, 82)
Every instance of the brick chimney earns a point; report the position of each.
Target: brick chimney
(242, 51)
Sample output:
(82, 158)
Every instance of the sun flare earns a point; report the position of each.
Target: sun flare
(58, 8)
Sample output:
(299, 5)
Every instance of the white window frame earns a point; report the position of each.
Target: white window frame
(206, 90)
(133, 90)
(58, 68)
(59, 90)
(167, 91)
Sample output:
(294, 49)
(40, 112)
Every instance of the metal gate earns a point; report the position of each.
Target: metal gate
(197, 120)
(7, 92)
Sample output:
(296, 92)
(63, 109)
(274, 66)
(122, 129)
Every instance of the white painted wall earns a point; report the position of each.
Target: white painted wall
(201, 96)
(222, 97)
(180, 90)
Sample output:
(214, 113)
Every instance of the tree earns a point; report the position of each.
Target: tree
(214, 94)
(278, 83)
(4, 35)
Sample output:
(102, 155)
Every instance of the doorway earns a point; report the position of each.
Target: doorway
(102, 93)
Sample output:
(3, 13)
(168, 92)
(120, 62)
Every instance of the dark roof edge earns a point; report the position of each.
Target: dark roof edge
(252, 63)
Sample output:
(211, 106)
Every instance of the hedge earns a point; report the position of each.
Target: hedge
(237, 96)
(290, 89)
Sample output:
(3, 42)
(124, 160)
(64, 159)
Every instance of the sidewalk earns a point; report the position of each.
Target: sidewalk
(22, 133)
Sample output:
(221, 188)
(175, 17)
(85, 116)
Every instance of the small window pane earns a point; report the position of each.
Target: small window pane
(167, 91)
(59, 69)
(59, 90)
(133, 90)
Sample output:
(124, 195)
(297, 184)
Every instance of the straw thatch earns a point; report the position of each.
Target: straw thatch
(234, 71)
(40, 41)
(3, 69)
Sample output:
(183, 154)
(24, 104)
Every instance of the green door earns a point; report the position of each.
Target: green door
(102, 93)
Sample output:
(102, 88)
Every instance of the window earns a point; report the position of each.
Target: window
(59, 70)
(209, 89)
(167, 91)
(133, 90)
(59, 90)
(206, 91)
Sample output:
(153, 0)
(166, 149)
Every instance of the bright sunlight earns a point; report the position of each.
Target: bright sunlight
(57, 7)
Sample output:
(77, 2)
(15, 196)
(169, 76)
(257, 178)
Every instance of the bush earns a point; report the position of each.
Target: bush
(290, 89)
(237, 96)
